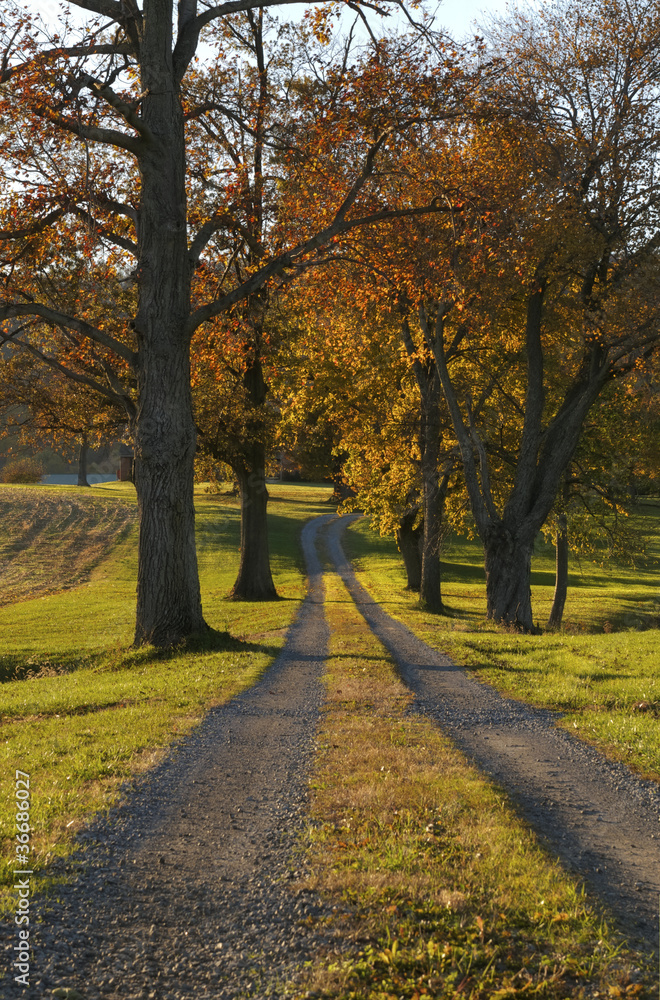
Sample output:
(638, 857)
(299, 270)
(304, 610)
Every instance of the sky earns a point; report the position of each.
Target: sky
(456, 16)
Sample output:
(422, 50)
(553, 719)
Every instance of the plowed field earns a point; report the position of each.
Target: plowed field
(33, 525)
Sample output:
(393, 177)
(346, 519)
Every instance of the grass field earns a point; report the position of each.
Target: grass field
(81, 710)
(440, 889)
(601, 671)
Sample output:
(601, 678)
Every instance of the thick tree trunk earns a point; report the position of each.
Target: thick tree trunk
(82, 462)
(254, 581)
(433, 494)
(544, 455)
(409, 539)
(508, 561)
(168, 595)
(561, 574)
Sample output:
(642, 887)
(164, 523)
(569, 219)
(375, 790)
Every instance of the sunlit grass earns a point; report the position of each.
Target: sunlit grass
(602, 669)
(82, 711)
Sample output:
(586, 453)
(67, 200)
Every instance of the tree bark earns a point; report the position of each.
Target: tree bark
(561, 574)
(82, 461)
(433, 496)
(508, 563)
(254, 581)
(169, 605)
(409, 540)
(430, 593)
(168, 594)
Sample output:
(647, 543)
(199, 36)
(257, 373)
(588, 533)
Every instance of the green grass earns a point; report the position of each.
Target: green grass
(440, 889)
(82, 711)
(601, 671)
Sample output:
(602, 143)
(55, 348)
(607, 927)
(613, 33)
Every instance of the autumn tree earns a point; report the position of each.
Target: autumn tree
(97, 130)
(540, 287)
(43, 407)
(291, 79)
(355, 375)
(581, 86)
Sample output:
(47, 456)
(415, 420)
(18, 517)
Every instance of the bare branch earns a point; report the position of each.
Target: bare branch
(36, 227)
(118, 207)
(91, 383)
(107, 8)
(289, 260)
(104, 231)
(12, 310)
(127, 111)
(188, 37)
(107, 136)
(234, 6)
(212, 225)
(74, 51)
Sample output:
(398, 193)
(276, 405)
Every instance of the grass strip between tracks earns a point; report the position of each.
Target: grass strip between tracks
(603, 677)
(441, 890)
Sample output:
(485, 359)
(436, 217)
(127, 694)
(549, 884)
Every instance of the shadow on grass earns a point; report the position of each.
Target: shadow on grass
(15, 666)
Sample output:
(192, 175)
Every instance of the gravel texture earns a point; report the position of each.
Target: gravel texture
(184, 891)
(599, 819)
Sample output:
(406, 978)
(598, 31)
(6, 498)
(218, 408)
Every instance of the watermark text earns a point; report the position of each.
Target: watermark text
(22, 881)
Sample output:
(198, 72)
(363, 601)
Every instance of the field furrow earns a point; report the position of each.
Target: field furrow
(33, 559)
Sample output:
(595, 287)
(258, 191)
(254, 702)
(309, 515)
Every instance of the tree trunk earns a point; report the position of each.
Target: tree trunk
(430, 594)
(544, 456)
(409, 540)
(82, 462)
(508, 568)
(561, 575)
(169, 605)
(254, 581)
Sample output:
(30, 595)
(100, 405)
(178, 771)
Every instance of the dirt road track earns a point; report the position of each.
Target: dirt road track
(600, 820)
(183, 892)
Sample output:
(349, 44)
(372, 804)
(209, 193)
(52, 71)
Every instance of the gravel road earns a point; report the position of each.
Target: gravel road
(596, 816)
(186, 891)
(183, 892)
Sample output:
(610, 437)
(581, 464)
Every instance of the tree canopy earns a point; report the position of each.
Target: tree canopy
(468, 239)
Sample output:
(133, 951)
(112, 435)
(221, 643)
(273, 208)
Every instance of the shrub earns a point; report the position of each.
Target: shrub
(22, 470)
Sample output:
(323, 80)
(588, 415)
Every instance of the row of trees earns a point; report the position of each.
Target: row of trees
(438, 259)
